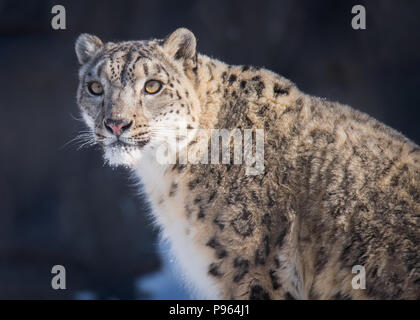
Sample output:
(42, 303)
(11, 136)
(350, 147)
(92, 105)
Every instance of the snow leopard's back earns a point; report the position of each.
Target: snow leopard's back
(339, 190)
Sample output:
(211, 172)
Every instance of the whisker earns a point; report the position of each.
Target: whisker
(84, 138)
(75, 139)
(76, 118)
(87, 144)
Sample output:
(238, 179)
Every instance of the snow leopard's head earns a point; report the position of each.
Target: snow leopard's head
(134, 95)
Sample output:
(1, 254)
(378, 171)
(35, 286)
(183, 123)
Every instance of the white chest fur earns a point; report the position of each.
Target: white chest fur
(187, 244)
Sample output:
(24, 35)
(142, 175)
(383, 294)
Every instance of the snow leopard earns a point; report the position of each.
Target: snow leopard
(334, 190)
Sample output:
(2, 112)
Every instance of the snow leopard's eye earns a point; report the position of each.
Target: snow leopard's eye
(95, 88)
(153, 86)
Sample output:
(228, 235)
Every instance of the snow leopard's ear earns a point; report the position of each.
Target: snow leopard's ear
(87, 46)
(181, 45)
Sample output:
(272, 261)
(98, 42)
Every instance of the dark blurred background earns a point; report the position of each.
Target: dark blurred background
(62, 206)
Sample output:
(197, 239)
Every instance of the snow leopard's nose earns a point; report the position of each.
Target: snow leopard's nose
(117, 127)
